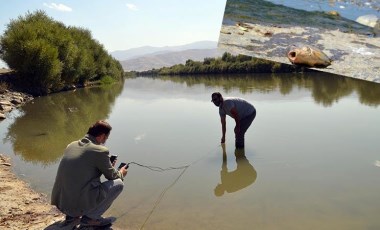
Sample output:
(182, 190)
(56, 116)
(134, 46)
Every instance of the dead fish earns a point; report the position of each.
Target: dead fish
(241, 27)
(301, 54)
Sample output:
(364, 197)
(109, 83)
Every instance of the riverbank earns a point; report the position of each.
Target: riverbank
(10, 100)
(22, 207)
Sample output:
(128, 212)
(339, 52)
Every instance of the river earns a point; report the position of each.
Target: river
(350, 9)
(311, 159)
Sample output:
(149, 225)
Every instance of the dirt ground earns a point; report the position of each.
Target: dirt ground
(21, 207)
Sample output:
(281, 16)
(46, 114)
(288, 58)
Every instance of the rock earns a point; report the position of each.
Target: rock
(17, 100)
(5, 103)
(333, 13)
(368, 20)
(10, 100)
(6, 108)
(2, 116)
(376, 28)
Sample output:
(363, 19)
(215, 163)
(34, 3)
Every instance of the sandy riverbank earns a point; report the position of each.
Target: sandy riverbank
(21, 207)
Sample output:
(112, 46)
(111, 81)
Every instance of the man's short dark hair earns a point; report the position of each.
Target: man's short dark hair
(217, 94)
(99, 128)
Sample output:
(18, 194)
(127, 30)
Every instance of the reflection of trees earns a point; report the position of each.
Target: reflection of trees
(368, 94)
(51, 122)
(285, 84)
(326, 88)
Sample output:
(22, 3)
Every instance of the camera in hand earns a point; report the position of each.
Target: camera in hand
(113, 158)
(122, 165)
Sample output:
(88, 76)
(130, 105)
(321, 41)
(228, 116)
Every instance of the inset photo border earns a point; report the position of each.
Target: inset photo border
(319, 39)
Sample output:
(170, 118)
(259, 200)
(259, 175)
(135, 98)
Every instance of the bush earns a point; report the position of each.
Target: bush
(47, 55)
(107, 80)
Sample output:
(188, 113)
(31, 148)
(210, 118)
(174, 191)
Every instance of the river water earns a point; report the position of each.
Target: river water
(311, 159)
(350, 9)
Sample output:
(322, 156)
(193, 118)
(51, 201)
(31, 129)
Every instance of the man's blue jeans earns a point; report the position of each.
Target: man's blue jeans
(244, 125)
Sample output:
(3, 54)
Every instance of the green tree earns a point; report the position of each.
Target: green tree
(47, 55)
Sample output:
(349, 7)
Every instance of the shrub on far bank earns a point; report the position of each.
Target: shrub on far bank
(227, 64)
(107, 80)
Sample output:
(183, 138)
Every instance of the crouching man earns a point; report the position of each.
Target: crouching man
(78, 191)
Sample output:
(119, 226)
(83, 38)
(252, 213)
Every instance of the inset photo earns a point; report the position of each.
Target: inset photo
(339, 37)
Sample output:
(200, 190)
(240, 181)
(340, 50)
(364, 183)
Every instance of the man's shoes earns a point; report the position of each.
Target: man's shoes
(70, 220)
(87, 221)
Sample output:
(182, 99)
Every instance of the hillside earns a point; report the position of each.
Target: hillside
(123, 55)
(148, 62)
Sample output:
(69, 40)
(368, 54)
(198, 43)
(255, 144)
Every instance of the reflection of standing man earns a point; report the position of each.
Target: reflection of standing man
(240, 110)
(243, 176)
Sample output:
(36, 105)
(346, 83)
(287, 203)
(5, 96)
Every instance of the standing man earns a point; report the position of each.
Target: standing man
(240, 110)
(78, 191)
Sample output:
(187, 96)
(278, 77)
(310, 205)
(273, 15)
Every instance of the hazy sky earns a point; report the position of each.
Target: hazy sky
(124, 24)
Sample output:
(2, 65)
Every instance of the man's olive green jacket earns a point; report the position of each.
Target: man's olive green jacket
(77, 188)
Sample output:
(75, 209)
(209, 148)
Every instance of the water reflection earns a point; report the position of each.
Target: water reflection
(325, 88)
(49, 123)
(232, 181)
(314, 148)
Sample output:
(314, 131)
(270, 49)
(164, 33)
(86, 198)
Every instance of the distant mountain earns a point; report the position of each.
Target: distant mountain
(156, 61)
(123, 55)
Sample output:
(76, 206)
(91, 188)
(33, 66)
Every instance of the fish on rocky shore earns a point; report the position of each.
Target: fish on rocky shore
(306, 55)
